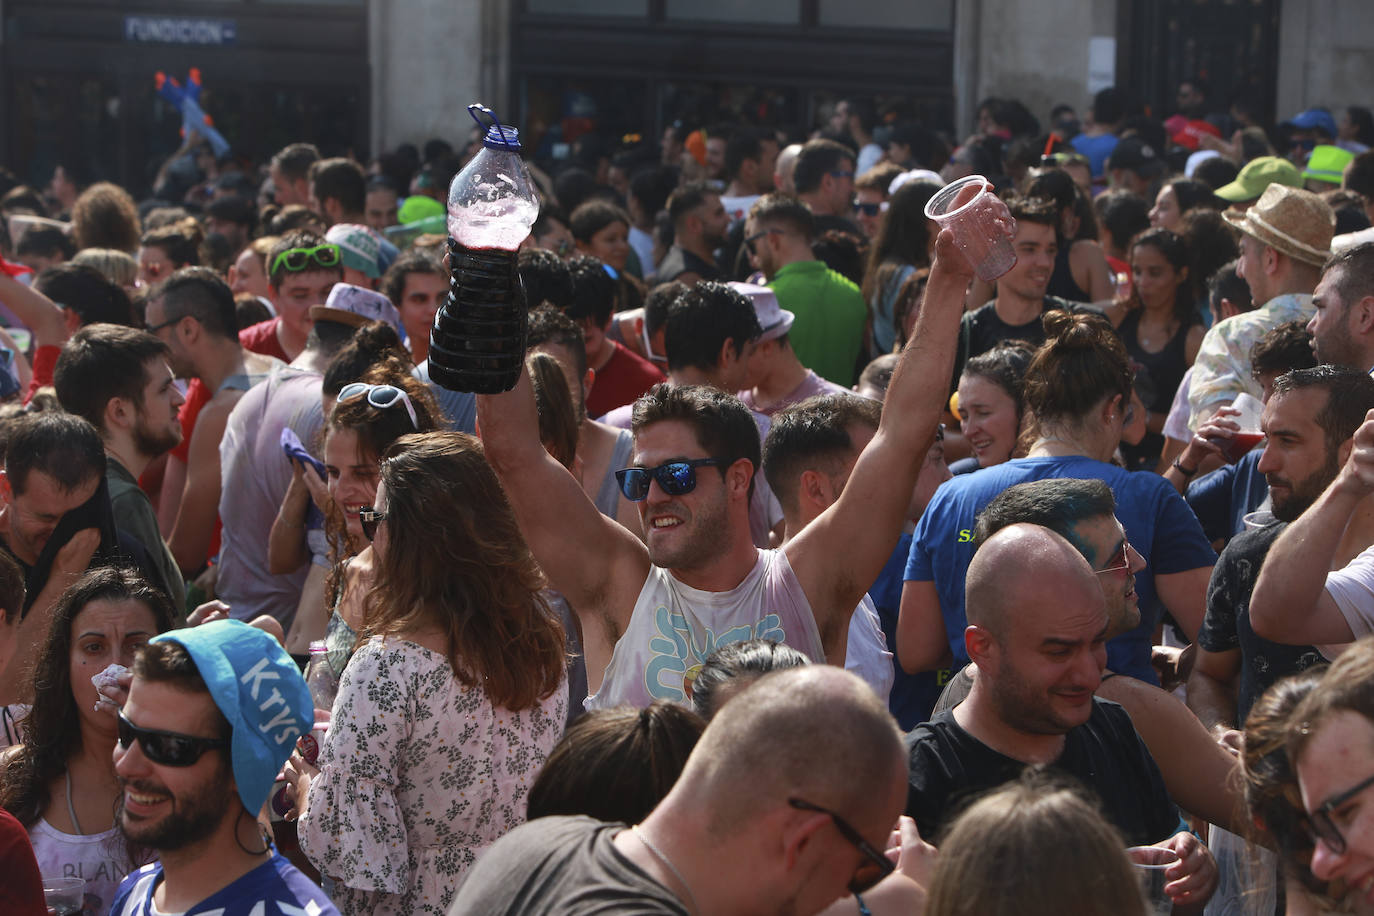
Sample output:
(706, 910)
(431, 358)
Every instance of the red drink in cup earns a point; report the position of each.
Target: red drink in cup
(1239, 445)
(977, 225)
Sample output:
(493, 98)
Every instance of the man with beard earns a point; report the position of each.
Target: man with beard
(192, 312)
(213, 712)
(1342, 326)
(1196, 771)
(699, 224)
(1037, 632)
(117, 378)
(1310, 420)
(651, 612)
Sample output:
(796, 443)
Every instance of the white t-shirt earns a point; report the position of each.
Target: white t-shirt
(1352, 588)
(101, 858)
(866, 654)
(674, 627)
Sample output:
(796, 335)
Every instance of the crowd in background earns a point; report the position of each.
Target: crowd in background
(288, 625)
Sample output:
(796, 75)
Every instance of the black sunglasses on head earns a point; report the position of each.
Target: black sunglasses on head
(674, 477)
(875, 866)
(170, 749)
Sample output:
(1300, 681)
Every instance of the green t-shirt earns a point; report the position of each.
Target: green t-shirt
(831, 315)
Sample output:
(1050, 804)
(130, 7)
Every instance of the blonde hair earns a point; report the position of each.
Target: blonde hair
(119, 267)
(1015, 851)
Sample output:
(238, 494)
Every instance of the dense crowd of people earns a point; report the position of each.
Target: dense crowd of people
(801, 570)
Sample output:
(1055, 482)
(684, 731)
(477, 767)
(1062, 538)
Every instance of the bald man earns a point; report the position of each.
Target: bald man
(1037, 631)
(1196, 769)
(751, 826)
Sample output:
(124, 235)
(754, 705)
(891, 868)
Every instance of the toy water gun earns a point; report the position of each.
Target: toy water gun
(187, 100)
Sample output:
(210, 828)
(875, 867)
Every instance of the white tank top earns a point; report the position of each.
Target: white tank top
(675, 627)
(101, 858)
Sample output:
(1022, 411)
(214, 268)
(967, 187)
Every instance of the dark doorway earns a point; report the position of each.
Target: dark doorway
(1231, 44)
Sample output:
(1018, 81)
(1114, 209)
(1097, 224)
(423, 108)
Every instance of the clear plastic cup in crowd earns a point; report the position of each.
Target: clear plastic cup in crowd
(1260, 518)
(1149, 863)
(1249, 435)
(66, 896)
(977, 226)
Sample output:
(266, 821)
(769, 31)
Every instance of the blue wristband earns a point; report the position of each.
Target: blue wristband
(863, 907)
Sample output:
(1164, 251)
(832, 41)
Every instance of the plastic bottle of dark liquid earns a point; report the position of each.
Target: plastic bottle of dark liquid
(477, 343)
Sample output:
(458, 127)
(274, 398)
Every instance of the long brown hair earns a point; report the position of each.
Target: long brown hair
(455, 560)
(52, 729)
(376, 429)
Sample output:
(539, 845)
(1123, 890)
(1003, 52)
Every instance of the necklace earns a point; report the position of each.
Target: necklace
(668, 863)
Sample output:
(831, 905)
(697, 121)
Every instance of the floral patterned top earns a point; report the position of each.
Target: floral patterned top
(418, 774)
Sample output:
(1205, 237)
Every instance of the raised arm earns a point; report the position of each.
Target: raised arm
(40, 315)
(1290, 602)
(841, 552)
(598, 565)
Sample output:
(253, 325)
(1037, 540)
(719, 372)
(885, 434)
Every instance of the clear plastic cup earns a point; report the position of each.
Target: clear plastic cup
(1149, 863)
(977, 226)
(64, 895)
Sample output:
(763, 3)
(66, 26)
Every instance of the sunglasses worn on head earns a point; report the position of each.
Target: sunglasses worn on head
(167, 748)
(675, 478)
(1323, 828)
(369, 517)
(875, 866)
(379, 396)
(298, 259)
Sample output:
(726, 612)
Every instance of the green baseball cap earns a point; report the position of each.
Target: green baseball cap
(417, 207)
(1257, 175)
(1327, 163)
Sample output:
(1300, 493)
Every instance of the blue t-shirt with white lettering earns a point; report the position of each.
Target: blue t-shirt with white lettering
(1158, 523)
(274, 888)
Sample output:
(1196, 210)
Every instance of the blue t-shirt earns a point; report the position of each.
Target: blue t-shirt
(912, 696)
(1158, 523)
(1221, 499)
(274, 888)
(1097, 149)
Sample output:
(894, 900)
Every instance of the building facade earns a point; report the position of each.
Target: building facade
(360, 76)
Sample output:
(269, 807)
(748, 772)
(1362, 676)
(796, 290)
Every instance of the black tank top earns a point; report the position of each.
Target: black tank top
(1157, 380)
(1062, 283)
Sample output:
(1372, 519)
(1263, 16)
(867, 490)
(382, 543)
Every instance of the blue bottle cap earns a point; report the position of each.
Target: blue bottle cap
(502, 138)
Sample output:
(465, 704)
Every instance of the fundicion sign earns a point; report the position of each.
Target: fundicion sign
(179, 30)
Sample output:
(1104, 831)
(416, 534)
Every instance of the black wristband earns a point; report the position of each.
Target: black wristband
(1186, 472)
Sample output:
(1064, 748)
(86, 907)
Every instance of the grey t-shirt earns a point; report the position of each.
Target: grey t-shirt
(566, 866)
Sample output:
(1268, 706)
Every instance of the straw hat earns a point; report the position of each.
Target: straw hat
(1292, 221)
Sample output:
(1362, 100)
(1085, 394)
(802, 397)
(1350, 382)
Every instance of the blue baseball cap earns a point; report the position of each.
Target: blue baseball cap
(259, 690)
(1315, 119)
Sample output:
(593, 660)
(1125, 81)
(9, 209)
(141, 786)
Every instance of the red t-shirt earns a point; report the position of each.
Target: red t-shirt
(21, 893)
(623, 379)
(262, 338)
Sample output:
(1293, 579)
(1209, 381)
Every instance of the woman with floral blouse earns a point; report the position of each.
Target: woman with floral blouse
(453, 698)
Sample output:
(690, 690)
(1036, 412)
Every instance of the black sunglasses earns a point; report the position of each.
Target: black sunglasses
(1324, 828)
(868, 209)
(675, 477)
(750, 240)
(167, 748)
(876, 866)
(369, 517)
